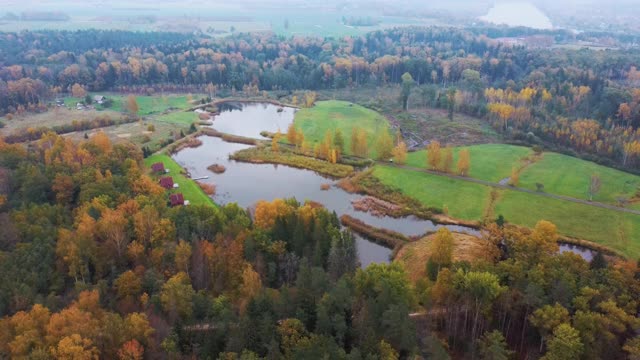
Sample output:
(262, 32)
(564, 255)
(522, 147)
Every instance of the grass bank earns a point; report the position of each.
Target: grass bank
(365, 183)
(458, 199)
(188, 187)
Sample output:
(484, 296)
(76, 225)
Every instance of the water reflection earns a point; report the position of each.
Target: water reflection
(585, 253)
(249, 119)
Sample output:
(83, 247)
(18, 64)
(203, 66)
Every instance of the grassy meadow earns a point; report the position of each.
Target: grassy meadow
(464, 200)
(560, 174)
(331, 115)
(570, 176)
(147, 105)
(469, 201)
(490, 162)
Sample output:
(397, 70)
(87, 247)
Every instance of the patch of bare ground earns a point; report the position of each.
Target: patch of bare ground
(424, 124)
(414, 255)
(375, 206)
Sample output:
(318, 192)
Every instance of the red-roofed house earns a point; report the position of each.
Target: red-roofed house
(158, 167)
(176, 199)
(166, 182)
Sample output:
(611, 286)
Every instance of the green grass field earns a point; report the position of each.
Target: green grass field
(180, 117)
(560, 174)
(570, 176)
(464, 200)
(469, 201)
(147, 105)
(617, 230)
(331, 115)
(188, 187)
(490, 162)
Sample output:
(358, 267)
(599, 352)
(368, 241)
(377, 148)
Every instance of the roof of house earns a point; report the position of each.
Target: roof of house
(166, 182)
(176, 199)
(157, 166)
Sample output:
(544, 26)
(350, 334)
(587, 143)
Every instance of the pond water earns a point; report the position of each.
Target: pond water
(517, 13)
(249, 119)
(585, 253)
(245, 183)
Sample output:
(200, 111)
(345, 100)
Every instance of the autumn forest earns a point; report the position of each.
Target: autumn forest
(113, 246)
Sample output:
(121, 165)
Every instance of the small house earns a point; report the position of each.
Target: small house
(99, 99)
(176, 199)
(158, 167)
(166, 182)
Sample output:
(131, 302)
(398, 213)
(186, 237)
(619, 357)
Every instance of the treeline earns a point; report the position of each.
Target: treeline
(453, 67)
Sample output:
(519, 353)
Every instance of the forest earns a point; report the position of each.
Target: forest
(96, 263)
(584, 102)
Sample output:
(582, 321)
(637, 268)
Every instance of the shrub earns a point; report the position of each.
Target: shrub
(208, 189)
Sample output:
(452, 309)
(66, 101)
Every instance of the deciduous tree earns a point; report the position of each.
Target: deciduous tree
(384, 145)
(464, 162)
(493, 346)
(132, 105)
(176, 297)
(433, 155)
(565, 344)
(400, 153)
